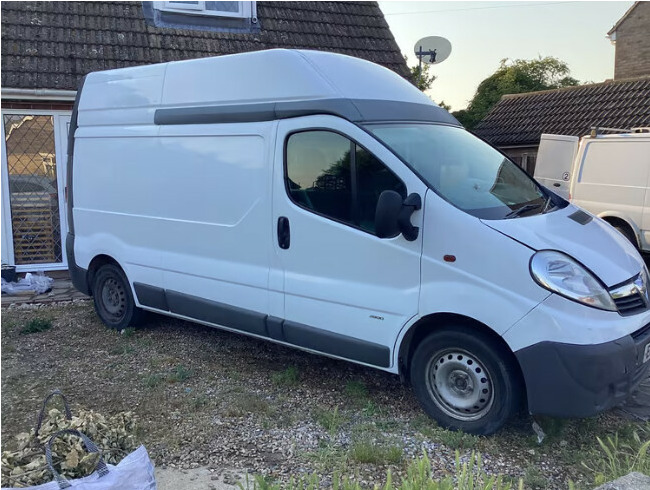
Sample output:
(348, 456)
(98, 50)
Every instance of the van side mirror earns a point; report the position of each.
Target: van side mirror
(393, 215)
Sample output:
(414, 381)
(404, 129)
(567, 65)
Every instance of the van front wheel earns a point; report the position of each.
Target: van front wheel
(113, 300)
(465, 380)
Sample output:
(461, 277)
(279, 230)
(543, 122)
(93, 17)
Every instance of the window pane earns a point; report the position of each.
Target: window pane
(467, 172)
(223, 6)
(31, 165)
(373, 178)
(318, 173)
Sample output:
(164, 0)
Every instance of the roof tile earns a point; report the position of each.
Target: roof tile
(522, 118)
(53, 44)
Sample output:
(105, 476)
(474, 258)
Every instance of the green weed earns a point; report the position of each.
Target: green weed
(288, 377)
(36, 325)
(330, 420)
(365, 451)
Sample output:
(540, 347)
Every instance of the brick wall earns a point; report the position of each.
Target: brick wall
(633, 44)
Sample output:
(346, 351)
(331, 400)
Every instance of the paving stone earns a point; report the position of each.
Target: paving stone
(632, 481)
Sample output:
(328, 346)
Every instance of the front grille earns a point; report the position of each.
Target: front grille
(629, 305)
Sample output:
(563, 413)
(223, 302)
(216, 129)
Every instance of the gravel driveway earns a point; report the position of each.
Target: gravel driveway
(210, 398)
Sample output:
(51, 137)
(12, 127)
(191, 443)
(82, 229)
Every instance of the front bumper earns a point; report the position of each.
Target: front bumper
(570, 380)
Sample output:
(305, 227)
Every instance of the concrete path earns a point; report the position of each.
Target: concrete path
(62, 290)
(197, 479)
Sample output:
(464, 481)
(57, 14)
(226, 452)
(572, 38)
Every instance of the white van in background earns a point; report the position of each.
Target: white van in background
(608, 175)
(323, 202)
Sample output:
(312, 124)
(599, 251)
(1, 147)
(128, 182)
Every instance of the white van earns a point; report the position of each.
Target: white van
(323, 202)
(608, 175)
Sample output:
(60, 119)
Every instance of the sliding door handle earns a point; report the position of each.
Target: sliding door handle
(284, 232)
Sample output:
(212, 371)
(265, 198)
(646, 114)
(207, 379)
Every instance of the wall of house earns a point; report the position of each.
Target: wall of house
(524, 157)
(633, 44)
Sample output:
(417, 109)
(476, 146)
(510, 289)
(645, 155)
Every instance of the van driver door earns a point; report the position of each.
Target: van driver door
(347, 292)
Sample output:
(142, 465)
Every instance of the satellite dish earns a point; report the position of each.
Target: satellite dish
(432, 50)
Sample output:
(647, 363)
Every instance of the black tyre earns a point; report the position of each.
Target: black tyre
(114, 302)
(627, 233)
(466, 381)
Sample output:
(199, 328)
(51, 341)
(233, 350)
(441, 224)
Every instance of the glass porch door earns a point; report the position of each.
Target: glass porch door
(33, 170)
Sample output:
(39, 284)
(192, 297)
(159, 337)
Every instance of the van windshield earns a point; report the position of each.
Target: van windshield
(464, 170)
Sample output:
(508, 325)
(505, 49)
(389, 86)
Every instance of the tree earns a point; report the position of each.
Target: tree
(422, 78)
(515, 77)
(425, 81)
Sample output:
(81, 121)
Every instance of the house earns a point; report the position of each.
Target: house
(516, 123)
(47, 47)
(631, 37)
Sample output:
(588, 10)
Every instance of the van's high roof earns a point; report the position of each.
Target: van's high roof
(257, 86)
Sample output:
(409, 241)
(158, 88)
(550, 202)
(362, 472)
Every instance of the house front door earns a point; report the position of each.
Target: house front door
(34, 154)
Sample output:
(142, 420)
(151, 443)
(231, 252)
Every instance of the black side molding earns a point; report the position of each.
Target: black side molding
(217, 313)
(355, 110)
(151, 296)
(272, 327)
(336, 344)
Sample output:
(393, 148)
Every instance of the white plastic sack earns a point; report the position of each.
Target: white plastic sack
(134, 472)
(39, 283)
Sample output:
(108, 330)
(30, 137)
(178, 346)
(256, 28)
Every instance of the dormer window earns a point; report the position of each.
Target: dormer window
(240, 10)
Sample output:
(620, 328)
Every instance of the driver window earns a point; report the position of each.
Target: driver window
(334, 177)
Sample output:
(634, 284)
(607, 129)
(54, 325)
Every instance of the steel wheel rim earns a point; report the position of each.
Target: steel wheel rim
(113, 298)
(459, 384)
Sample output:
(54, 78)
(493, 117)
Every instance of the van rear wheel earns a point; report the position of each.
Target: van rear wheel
(465, 380)
(113, 300)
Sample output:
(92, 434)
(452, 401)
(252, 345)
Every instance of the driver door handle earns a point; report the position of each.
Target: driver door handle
(284, 232)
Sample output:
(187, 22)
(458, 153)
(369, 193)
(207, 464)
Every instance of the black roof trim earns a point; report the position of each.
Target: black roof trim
(355, 110)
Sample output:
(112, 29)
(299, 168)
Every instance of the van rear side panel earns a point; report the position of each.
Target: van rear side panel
(554, 164)
(184, 208)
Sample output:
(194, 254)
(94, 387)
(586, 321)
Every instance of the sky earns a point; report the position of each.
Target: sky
(484, 33)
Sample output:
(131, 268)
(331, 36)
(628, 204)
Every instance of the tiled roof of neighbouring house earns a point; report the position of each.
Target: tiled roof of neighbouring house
(53, 44)
(520, 119)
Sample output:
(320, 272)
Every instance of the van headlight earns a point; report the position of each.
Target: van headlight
(560, 274)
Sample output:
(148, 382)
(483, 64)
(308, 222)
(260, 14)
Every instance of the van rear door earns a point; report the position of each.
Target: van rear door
(347, 292)
(555, 161)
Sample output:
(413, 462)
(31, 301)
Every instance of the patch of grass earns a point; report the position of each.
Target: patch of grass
(179, 374)
(153, 380)
(619, 456)
(244, 403)
(198, 402)
(456, 439)
(36, 325)
(328, 455)
(453, 439)
(330, 420)
(288, 377)
(356, 390)
(371, 409)
(534, 479)
(366, 451)
(122, 350)
(127, 332)
(9, 348)
(425, 425)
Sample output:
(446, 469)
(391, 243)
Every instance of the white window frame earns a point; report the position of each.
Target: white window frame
(247, 10)
(61, 118)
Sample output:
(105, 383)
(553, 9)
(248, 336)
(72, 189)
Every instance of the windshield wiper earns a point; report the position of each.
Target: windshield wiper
(548, 205)
(523, 209)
